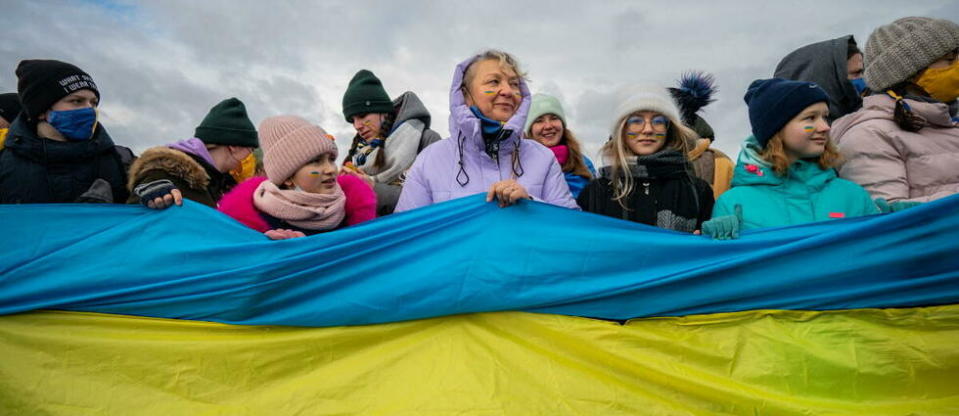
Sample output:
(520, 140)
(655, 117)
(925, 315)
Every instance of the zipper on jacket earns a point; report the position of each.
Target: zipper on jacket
(499, 139)
(646, 188)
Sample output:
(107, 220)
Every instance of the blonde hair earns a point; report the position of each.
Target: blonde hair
(615, 152)
(775, 154)
(505, 61)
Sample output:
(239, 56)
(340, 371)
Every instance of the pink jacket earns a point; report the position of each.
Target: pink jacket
(895, 164)
(238, 203)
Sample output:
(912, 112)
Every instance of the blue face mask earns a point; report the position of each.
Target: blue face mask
(860, 85)
(74, 124)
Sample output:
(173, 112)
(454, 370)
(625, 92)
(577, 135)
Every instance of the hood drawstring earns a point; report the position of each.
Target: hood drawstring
(517, 162)
(461, 142)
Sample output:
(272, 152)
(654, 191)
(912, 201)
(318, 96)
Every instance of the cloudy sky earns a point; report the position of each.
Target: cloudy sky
(161, 65)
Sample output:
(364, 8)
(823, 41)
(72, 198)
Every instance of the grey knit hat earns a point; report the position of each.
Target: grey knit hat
(899, 50)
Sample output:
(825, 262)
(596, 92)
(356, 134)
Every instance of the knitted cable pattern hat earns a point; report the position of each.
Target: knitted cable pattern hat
(897, 51)
(544, 104)
(365, 95)
(227, 124)
(288, 143)
(773, 102)
(647, 98)
(41, 83)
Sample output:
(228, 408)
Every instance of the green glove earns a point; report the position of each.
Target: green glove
(725, 227)
(885, 207)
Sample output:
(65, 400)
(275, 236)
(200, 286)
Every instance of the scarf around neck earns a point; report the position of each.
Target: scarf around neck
(662, 164)
(301, 209)
(491, 131)
(400, 152)
(562, 153)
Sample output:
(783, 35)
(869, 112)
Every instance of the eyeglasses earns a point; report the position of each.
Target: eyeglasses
(658, 123)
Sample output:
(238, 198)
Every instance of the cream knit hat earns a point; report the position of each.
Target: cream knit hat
(646, 98)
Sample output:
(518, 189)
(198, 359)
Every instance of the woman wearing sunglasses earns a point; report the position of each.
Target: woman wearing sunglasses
(648, 178)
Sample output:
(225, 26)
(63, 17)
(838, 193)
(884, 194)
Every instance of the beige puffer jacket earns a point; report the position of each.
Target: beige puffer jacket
(895, 164)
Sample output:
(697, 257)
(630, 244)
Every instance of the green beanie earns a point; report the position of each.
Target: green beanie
(228, 124)
(544, 104)
(365, 95)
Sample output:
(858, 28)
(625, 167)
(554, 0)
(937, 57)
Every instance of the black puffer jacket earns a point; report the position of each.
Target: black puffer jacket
(665, 194)
(37, 170)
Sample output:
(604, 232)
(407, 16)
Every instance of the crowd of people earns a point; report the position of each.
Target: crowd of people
(837, 132)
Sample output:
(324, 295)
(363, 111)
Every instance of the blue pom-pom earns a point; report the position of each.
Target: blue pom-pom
(695, 91)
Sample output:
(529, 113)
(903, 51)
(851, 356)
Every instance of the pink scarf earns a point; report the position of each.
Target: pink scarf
(562, 153)
(301, 209)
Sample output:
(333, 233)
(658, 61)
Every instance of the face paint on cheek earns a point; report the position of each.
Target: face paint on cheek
(659, 135)
(631, 134)
(314, 173)
(808, 129)
(489, 92)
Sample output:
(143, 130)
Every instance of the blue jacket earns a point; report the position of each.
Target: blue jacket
(577, 183)
(807, 193)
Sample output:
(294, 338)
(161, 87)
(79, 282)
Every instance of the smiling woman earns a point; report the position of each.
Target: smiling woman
(546, 125)
(649, 179)
(489, 102)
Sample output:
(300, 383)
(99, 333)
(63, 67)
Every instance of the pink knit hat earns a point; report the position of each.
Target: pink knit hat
(288, 143)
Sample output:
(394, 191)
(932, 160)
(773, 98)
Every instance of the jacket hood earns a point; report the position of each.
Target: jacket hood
(22, 139)
(752, 170)
(882, 106)
(174, 162)
(463, 121)
(409, 107)
(824, 63)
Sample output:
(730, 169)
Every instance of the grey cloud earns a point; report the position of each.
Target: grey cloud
(161, 65)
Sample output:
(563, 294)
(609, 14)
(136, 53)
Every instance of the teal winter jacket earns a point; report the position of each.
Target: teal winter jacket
(807, 193)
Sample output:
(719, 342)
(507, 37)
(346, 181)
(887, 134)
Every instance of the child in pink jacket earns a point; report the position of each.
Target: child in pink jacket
(302, 193)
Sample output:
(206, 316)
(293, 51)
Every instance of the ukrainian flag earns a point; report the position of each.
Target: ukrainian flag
(463, 308)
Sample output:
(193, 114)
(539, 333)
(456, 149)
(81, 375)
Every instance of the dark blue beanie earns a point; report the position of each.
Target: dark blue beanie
(773, 102)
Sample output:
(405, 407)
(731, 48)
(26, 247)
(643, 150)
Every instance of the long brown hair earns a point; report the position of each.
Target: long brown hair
(575, 162)
(615, 152)
(775, 154)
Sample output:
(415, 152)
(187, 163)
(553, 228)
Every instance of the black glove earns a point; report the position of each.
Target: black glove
(153, 190)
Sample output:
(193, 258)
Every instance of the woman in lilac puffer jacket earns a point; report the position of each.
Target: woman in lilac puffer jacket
(485, 152)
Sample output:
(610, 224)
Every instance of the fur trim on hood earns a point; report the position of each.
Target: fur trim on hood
(171, 161)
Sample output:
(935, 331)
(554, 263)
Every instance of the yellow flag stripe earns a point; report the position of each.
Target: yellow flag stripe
(863, 361)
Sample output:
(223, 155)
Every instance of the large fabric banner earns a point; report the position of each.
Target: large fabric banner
(855, 316)
(846, 362)
(462, 256)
